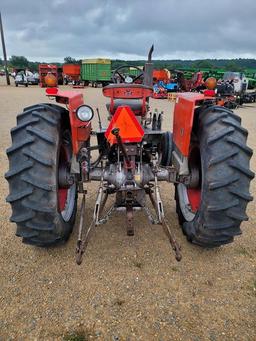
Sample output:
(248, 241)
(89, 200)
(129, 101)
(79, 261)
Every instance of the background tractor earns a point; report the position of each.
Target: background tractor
(205, 157)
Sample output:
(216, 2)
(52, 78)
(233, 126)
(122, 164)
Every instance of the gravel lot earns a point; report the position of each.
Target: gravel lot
(127, 288)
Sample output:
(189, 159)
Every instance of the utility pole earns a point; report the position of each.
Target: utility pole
(4, 52)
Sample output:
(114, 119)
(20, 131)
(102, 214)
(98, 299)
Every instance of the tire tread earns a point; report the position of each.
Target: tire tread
(223, 144)
(32, 177)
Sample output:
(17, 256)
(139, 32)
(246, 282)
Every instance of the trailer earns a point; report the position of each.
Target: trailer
(96, 71)
(71, 73)
(135, 71)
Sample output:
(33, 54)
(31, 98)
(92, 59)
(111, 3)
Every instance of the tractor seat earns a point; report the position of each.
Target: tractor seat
(134, 104)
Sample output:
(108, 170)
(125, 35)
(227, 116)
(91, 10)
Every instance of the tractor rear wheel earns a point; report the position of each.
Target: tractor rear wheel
(212, 210)
(43, 208)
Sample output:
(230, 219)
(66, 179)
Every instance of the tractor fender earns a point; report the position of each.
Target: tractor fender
(183, 119)
(182, 128)
(80, 131)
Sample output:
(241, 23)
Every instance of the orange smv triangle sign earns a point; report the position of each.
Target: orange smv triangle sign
(129, 128)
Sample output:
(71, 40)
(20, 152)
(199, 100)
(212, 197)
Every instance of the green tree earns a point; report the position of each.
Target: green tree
(70, 60)
(232, 66)
(33, 66)
(203, 64)
(18, 61)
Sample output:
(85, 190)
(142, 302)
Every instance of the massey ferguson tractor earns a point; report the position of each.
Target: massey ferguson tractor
(52, 160)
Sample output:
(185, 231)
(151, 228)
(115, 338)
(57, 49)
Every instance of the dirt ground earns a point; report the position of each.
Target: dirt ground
(127, 288)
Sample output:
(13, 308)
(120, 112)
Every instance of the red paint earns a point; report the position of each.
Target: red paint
(194, 197)
(51, 91)
(210, 93)
(130, 129)
(80, 131)
(63, 192)
(160, 94)
(62, 195)
(190, 84)
(71, 69)
(184, 117)
(160, 75)
(128, 91)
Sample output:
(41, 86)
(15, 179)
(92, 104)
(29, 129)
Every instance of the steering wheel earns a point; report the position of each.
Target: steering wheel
(118, 77)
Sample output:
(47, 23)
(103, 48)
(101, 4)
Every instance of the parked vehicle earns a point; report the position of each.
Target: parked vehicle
(71, 73)
(233, 90)
(25, 77)
(159, 91)
(32, 78)
(238, 79)
(170, 86)
(135, 71)
(195, 83)
(206, 157)
(161, 75)
(249, 97)
(96, 71)
(21, 79)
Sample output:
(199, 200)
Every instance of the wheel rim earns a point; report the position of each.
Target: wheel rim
(66, 195)
(190, 198)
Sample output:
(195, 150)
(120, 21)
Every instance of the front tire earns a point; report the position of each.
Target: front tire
(211, 213)
(43, 211)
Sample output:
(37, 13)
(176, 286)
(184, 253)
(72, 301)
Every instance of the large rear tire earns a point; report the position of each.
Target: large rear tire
(211, 213)
(41, 142)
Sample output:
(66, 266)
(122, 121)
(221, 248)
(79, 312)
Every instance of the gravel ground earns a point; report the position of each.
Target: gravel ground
(127, 288)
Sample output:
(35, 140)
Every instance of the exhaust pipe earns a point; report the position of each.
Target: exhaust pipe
(148, 69)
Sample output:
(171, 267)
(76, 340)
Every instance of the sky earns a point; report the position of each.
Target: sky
(49, 30)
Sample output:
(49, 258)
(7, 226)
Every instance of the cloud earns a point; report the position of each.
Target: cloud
(51, 30)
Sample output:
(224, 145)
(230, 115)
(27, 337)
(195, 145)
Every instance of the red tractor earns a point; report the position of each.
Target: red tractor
(206, 158)
(196, 82)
